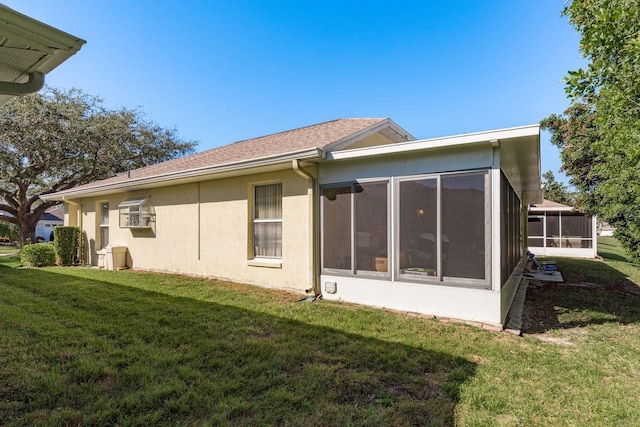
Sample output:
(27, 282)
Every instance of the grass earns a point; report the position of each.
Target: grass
(9, 249)
(87, 347)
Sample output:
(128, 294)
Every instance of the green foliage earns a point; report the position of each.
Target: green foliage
(9, 232)
(38, 255)
(59, 139)
(66, 243)
(556, 191)
(599, 135)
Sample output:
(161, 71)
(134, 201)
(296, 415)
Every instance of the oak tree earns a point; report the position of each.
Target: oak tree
(58, 139)
(599, 135)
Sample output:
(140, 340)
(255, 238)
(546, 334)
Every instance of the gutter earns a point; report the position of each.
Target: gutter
(313, 231)
(122, 185)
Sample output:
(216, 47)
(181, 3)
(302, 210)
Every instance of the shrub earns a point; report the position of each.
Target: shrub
(38, 255)
(65, 241)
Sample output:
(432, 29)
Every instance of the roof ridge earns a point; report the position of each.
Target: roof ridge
(205, 152)
(299, 128)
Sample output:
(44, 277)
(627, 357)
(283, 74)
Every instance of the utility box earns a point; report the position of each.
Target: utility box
(102, 255)
(115, 257)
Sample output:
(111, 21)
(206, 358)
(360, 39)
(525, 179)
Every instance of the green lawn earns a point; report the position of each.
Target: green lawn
(81, 346)
(8, 249)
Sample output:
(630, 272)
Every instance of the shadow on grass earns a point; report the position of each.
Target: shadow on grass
(593, 293)
(77, 351)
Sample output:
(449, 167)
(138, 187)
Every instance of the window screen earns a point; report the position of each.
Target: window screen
(553, 230)
(418, 227)
(463, 226)
(336, 227)
(371, 226)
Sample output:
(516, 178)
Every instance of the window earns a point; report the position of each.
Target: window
(535, 229)
(560, 230)
(336, 225)
(134, 213)
(437, 231)
(371, 226)
(356, 227)
(418, 227)
(104, 224)
(267, 221)
(463, 226)
(510, 229)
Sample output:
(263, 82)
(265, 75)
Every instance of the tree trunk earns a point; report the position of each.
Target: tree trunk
(27, 228)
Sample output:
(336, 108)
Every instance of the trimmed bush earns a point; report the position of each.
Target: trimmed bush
(38, 255)
(65, 241)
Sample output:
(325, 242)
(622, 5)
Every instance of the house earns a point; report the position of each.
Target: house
(605, 229)
(559, 230)
(51, 218)
(29, 49)
(352, 209)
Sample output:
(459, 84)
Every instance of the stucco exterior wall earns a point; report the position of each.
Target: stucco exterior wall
(204, 229)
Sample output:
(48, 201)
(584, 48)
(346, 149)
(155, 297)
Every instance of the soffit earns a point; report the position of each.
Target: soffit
(27, 45)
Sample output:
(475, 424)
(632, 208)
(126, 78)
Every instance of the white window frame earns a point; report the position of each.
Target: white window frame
(255, 221)
(103, 227)
(135, 212)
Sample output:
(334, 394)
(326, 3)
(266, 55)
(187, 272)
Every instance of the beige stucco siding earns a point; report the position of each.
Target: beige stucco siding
(204, 229)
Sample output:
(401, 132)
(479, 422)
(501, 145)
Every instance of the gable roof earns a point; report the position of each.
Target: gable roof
(548, 205)
(28, 50)
(49, 217)
(274, 151)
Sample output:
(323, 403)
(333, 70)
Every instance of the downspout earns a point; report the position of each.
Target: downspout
(34, 84)
(313, 269)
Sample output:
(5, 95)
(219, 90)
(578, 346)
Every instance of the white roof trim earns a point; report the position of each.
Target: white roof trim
(308, 154)
(54, 46)
(350, 139)
(435, 143)
(551, 209)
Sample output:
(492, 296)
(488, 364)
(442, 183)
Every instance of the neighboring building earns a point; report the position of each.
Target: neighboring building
(352, 209)
(51, 218)
(605, 229)
(555, 229)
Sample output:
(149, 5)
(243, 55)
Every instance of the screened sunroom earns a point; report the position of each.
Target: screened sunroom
(555, 229)
(431, 226)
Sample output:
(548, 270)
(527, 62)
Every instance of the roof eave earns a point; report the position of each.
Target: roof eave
(55, 45)
(228, 169)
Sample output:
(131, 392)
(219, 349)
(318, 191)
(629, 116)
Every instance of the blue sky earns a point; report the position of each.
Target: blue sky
(223, 71)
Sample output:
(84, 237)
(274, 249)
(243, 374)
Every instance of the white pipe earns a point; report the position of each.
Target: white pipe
(313, 268)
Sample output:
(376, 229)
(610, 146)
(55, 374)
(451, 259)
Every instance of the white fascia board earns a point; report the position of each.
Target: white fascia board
(551, 209)
(350, 139)
(227, 169)
(36, 34)
(437, 143)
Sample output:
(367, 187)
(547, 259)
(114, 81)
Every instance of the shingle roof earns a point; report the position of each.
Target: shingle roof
(317, 136)
(49, 217)
(550, 206)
